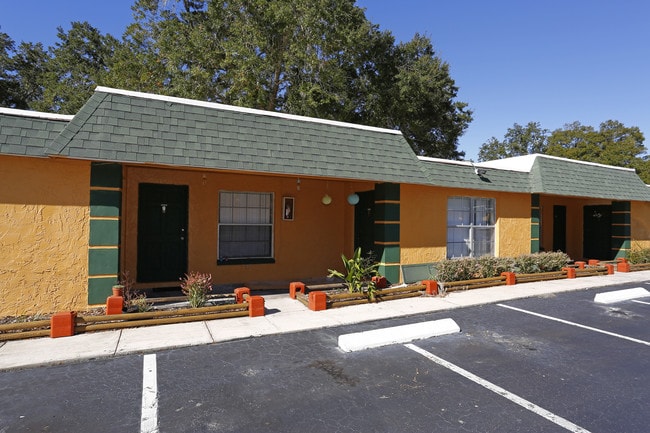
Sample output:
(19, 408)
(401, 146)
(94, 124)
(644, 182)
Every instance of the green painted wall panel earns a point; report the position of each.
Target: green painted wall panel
(534, 246)
(621, 206)
(391, 272)
(103, 261)
(534, 200)
(621, 218)
(386, 232)
(106, 175)
(621, 231)
(390, 254)
(534, 231)
(99, 289)
(534, 216)
(105, 203)
(387, 191)
(387, 212)
(104, 233)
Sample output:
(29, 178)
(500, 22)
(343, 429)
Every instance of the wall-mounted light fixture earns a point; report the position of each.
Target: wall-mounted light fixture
(353, 198)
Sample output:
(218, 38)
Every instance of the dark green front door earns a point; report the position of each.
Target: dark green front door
(559, 228)
(597, 235)
(364, 222)
(162, 232)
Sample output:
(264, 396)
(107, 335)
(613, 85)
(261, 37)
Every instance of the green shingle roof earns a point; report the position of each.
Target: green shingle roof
(565, 177)
(27, 133)
(123, 126)
(462, 174)
(539, 174)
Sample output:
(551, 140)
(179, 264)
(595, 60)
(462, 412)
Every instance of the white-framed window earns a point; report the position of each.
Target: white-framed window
(245, 226)
(470, 226)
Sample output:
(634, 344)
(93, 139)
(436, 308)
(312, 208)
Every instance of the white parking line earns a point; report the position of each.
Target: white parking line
(566, 322)
(562, 422)
(640, 302)
(149, 418)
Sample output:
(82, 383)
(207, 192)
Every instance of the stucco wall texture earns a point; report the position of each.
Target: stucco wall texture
(303, 248)
(640, 225)
(423, 227)
(44, 218)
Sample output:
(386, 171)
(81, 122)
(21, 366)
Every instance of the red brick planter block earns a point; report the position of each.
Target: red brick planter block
(511, 278)
(431, 287)
(62, 324)
(114, 304)
(317, 301)
(295, 287)
(240, 292)
(570, 272)
(255, 306)
(380, 282)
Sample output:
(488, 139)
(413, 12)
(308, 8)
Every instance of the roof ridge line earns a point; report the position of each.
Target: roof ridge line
(35, 114)
(216, 105)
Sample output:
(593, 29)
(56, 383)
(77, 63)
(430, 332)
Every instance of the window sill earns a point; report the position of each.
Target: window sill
(252, 261)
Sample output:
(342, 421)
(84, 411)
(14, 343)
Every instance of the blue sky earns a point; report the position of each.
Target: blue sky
(551, 61)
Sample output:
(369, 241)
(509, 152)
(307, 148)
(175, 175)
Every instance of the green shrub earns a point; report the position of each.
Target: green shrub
(456, 269)
(485, 267)
(639, 255)
(488, 266)
(196, 287)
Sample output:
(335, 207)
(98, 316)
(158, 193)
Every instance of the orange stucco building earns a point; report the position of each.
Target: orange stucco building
(161, 186)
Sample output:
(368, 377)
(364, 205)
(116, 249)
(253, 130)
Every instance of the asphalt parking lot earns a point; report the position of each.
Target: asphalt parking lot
(556, 363)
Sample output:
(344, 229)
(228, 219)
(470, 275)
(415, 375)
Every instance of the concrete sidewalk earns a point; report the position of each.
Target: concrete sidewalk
(283, 315)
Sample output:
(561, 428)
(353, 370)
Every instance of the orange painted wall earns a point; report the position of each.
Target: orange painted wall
(303, 248)
(574, 221)
(44, 220)
(640, 225)
(423, 230)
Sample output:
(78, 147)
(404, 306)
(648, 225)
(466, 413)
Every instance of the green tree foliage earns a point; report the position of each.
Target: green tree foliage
(612, 144)
(319, 58)
(9, 85)
(518, 140)
(59, 79)
(78, 62)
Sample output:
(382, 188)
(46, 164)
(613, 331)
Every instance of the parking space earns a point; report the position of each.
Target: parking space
(548, 364)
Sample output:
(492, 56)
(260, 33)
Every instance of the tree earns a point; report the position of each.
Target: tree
(319, 58)
(79, 61)
(424, 106)
(613, 144)
(518, 140)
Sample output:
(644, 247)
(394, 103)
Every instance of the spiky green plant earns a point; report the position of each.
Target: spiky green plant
(358, 273)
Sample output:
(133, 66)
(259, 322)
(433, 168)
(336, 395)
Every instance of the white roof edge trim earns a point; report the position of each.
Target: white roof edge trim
(575, 161)
(215, 105)
(36, 114)
(525, 163)
(466, 163)
(446, 161)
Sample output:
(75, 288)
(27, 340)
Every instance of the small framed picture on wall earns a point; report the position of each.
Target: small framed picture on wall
(288, 208)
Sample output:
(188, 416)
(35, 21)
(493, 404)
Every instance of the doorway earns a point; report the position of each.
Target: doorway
(364, 222)
(559, 228)
(162, 232)
(597, 232)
